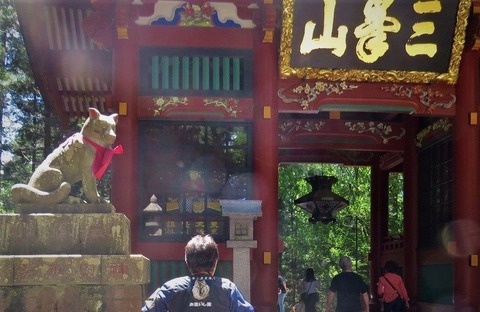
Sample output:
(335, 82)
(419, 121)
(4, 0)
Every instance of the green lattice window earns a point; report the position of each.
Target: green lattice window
(435, 202)
(202, 72)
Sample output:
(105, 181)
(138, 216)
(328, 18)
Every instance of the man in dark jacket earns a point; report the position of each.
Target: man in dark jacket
(201, 291)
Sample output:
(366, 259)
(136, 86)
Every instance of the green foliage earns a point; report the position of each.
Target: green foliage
(319, 246)
(16, 94)
(395, 204)
(6, 205)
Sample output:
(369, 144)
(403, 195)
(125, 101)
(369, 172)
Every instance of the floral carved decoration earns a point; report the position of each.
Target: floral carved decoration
(381, 129)
(442, 124)
(161, 103)
(195, 15)
(208, 14)
(305, 94)
(289, 127)
(426, 95)
(230, 105)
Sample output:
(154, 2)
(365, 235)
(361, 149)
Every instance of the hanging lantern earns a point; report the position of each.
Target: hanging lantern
(321, 202)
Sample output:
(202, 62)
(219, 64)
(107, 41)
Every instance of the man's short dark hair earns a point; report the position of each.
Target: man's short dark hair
(201, 253)
(345, 263)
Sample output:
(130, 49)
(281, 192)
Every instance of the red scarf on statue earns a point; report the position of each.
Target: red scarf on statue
(103, 157)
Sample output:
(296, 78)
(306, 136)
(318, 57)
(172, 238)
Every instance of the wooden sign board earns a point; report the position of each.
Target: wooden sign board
(373, 40)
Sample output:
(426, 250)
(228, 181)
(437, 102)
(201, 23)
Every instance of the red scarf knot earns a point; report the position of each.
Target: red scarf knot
(103, 157)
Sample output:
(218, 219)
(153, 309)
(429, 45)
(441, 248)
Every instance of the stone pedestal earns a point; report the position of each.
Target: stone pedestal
(69, 261)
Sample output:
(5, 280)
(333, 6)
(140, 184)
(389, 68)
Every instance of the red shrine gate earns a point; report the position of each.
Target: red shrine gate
(212, 96)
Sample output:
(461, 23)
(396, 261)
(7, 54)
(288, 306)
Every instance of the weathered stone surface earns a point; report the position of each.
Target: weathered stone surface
(69, 262)
(133, 269)
(64, 208)
(82, 298)
(56, 270)
(6, 271)
(74, 270)
(98, 233)
(87, 234)
(17, 233)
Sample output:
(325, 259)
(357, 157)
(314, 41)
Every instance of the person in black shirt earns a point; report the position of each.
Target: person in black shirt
(348, 287)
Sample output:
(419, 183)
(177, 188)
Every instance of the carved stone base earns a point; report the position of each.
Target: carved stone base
(86, 234)
(81, 298)
(76, 259)
(43, 270)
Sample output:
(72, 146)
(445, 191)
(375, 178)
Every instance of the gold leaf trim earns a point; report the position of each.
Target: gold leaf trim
(289, 127)
(442, 124)
(307, 93)
(229, 105)
(162, 102)
(426, 95)
(380, 129)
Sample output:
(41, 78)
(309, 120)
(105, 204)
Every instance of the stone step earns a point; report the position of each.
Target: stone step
(45, 233)
(75, 298)
(29, 270)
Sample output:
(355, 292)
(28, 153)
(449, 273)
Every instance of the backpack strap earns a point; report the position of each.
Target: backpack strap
(398, 294)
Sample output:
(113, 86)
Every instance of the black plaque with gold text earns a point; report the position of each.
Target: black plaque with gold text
(373, 39)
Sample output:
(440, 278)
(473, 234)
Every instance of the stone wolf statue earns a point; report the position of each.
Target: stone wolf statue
(83, 157)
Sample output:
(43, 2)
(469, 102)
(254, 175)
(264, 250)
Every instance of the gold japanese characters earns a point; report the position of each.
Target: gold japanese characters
(373, 40)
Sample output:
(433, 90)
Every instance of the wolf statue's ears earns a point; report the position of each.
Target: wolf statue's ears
(93, 113)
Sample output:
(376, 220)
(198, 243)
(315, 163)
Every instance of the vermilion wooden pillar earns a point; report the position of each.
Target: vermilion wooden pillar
(264, 279)
(466, 171)
(378, 225)
(124, 171)
(410, 213)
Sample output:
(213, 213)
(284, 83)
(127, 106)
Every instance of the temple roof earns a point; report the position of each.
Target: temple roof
(73, 72)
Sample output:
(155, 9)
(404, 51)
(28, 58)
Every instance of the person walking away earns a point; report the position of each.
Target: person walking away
(282, 292)
(310, 286)
(391, 288)
(201, 291)
(349, 289)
